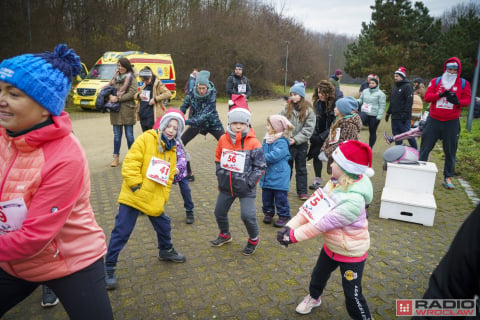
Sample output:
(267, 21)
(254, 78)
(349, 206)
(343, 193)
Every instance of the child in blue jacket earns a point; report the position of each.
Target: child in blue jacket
(276, 181)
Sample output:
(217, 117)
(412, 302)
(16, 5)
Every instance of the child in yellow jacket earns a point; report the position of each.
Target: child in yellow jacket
(148, 171)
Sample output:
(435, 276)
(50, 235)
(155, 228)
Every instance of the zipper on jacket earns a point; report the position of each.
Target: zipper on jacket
(8, 170)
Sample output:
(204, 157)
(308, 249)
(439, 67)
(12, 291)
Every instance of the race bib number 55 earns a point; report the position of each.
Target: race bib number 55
(317, 206)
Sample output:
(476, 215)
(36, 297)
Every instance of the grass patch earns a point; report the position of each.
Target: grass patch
(468, 153)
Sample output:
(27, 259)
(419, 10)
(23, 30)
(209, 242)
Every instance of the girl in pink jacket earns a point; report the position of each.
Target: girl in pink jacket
(48, 232)
(338, 213)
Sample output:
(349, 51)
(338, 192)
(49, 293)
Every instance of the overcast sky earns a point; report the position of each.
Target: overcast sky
(343, 16)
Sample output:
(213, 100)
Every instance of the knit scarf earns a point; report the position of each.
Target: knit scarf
(271, 138)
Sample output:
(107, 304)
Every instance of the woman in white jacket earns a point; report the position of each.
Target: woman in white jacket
(372, 101)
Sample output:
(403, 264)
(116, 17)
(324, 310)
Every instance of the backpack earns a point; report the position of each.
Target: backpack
(437, 80)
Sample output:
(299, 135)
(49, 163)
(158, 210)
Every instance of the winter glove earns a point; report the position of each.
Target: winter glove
(444, 94)
(322, 156)
(452, 98)
(387, 117)
(283, 236)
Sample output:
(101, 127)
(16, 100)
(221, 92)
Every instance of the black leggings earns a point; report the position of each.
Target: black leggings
(83, 294)
(372, 124)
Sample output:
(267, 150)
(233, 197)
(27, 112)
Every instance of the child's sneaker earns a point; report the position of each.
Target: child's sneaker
(303, 196)
(49, 298)
(222, 239)
(171, 255)
(388, 139)
(189, 217)
(281, 222)
(251, 246)
(447, 183)
(110, 278)
(267, 218)
(308, 303)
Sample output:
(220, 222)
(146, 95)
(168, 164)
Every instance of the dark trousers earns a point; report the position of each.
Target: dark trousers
(317, 167)
(186, 194)
(192, 132)
(83, 294)
(248, 213)
(449, 132)
(372, 124)
(272, 199)
(351, 281)
(125, 221)
(298, 157)
(401, 126)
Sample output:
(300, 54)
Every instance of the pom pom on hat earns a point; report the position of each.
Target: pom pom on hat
(338, 72)
(298, 88)
(44, 77)
(402, 71)
(280, 123)
(239, 111)
(203, 78)
(354, 157)
(346, 105)
(171, 113)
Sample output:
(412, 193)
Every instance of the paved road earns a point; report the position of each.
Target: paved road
(221, 283)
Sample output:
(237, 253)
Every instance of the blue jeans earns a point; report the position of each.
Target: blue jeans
(275, 198)
(186, 194)
(401, 126)
(117, 137)
(125, 222)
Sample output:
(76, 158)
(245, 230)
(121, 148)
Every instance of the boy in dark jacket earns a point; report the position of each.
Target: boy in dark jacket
(240, 163)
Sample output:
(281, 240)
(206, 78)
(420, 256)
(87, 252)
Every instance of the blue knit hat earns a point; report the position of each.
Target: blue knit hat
(298, 88)
(346, 105)
(44, 77)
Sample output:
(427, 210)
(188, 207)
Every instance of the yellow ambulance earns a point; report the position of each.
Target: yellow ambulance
(85, 93)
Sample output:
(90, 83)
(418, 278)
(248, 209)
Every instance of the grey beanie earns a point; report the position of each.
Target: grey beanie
(203, 78)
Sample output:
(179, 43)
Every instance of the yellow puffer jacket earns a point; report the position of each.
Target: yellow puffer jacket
(151, 197)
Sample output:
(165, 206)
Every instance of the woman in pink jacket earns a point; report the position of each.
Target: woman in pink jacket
(48, 232)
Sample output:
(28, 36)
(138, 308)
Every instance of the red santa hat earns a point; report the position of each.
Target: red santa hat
(354, 157)
(402, 71)
(239, 111)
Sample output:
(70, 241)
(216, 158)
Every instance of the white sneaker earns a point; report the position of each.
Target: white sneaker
(308, 304)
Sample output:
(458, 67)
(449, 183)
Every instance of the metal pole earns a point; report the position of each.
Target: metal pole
(474, 92)
(329, 60)
(29, 26)
(286, 69)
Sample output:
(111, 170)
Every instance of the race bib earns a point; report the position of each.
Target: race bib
(12, 215)
(158, 170)
(242, 88)
(444, 104)
(336, 137)
(366, 107)
(233, 160)
(317, 206)
(147, 94)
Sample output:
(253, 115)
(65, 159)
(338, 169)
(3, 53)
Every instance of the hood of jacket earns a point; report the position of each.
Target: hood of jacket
(453, 59)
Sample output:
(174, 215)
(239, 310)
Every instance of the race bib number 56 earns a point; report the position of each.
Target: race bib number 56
(233, 160)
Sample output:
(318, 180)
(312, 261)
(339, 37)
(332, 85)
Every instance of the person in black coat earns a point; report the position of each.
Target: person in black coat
(323, 103)
(237, 83)
(401, 101)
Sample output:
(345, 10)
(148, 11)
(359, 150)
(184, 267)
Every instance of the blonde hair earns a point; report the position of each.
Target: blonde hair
(343, 183)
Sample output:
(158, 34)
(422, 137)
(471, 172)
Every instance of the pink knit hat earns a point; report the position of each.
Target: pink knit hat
(279, 123)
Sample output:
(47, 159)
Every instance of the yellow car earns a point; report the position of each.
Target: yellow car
(85, 93)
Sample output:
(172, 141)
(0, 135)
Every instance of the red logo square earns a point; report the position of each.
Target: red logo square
(404, 308)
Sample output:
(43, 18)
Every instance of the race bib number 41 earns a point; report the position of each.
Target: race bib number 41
(233, 160)
(158, 171)
(317, 206)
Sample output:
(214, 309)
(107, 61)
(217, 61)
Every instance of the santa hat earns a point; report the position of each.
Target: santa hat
(354, 157)
(280, 123)
(171, 113)
(402, 71)
(239, 110)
